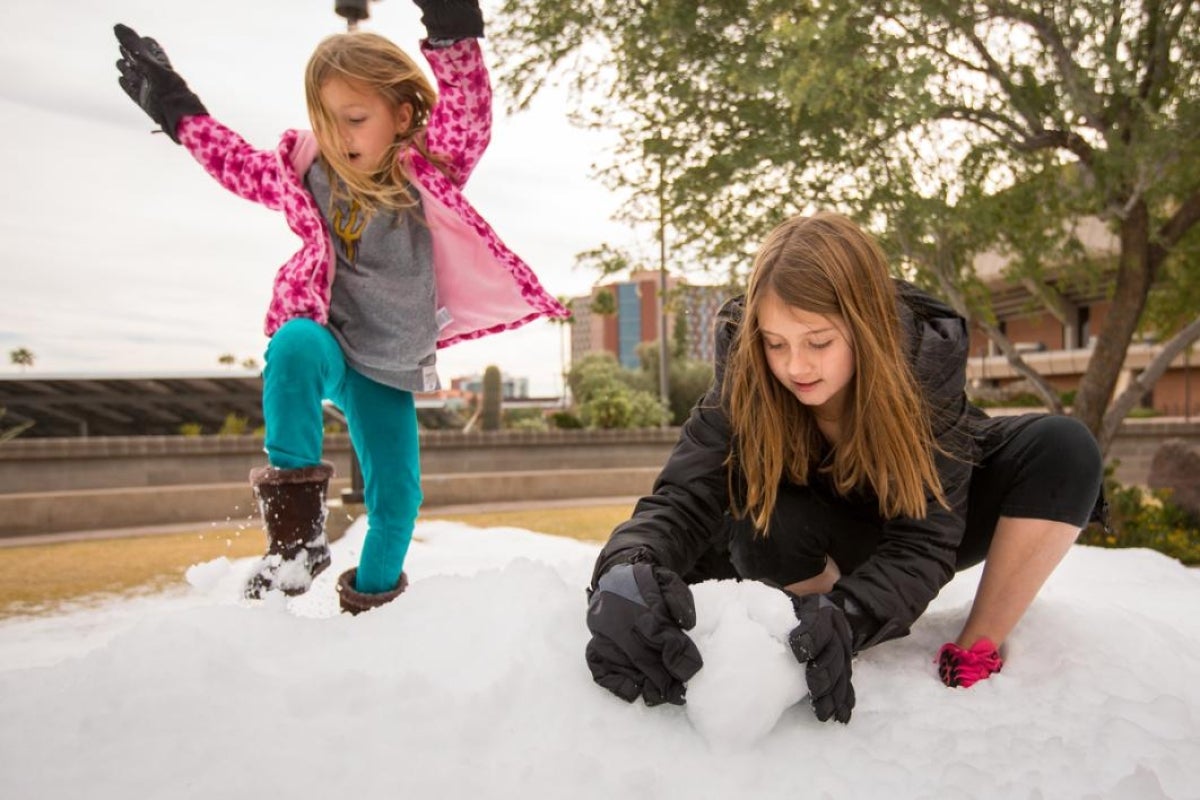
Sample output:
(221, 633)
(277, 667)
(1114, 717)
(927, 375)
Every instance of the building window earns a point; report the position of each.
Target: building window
(1084, 326)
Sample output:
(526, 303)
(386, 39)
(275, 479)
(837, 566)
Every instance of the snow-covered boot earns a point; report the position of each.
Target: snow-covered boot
(353, 601)
(292, 502)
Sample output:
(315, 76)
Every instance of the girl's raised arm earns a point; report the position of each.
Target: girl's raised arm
(150, 81)
(460, 123)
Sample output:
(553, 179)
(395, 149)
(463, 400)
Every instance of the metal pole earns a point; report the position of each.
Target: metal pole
(663, 383)
(353, 11)
(562, 361)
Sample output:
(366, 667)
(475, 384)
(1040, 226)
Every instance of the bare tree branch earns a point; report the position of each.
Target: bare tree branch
(1187, 215)
(1085, 97)
(1145, 381)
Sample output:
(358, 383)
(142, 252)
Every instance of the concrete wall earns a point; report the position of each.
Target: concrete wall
(1139, 439)
(45, 465)
(52, 485)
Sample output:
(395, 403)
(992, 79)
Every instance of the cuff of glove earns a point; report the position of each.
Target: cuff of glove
(172, 115)
(632, 555)
(442, 42)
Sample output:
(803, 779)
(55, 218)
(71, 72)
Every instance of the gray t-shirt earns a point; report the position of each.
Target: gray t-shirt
(383, 309)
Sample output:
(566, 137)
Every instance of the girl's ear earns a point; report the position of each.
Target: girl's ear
(404, 118)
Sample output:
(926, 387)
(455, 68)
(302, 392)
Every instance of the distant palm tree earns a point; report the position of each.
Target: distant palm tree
(562, 323)
(22, 356)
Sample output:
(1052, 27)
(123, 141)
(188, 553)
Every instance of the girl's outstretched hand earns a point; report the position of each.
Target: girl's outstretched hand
(451, 19)
(150, 81)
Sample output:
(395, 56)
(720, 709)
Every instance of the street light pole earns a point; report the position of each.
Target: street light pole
(353, 11)
(663, 382)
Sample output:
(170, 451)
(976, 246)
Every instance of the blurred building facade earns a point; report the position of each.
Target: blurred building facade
(618, 316)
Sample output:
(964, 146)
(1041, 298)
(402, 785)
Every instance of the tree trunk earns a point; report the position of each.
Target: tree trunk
(1129, 298)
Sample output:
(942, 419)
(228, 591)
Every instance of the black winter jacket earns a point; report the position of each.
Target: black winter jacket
(688, 512)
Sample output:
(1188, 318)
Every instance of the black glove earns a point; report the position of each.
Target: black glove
(451, 19)
(824, 644)
(147, 77)
(637, 615)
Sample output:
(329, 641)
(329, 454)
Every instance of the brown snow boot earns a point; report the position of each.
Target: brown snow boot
(292, 502)
(353, 601)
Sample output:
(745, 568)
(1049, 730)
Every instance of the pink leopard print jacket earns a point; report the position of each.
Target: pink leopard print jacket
(482, 284)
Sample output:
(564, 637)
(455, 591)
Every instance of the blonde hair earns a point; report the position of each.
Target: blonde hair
(825, 264)
(371, 61)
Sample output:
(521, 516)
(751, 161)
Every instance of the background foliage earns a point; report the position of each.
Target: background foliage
(949, 128)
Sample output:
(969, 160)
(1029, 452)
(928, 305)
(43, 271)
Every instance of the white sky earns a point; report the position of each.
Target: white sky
(473, 685)
(121, 255)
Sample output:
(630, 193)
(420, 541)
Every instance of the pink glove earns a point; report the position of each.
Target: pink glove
(958, 667)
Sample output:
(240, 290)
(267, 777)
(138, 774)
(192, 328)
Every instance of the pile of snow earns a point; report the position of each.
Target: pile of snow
(473, 685)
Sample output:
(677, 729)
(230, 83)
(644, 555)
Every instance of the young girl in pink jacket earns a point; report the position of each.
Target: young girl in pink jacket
(394, 263)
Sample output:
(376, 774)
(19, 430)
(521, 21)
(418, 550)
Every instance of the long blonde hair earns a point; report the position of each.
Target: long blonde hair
(825, 264)
(371, 61)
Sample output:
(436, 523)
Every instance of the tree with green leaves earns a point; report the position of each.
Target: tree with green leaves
(563, 324)
(604, 303)
(22, 357)
(611, 396)
(680, 337)
(687, 379)
(951, 129)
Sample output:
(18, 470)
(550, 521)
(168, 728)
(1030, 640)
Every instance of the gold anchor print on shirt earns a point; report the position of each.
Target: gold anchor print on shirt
(349, 225)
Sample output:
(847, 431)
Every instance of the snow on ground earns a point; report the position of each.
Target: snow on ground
(473, 685)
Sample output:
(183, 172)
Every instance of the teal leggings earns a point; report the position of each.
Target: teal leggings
(305, 365)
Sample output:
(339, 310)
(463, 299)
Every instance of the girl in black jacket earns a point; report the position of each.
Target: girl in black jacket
(836, 457)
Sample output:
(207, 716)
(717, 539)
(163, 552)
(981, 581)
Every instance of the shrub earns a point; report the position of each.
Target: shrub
(234, 425)
(565, 420)
(1138, 518)
(525, 419)
(607, 408)
(646, 410)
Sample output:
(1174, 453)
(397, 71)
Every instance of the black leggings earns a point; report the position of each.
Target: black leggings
(1040, 467)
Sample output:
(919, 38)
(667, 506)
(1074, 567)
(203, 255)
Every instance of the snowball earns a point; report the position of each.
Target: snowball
(749, 677)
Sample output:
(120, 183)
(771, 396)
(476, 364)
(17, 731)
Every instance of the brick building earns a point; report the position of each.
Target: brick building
(1057, 344)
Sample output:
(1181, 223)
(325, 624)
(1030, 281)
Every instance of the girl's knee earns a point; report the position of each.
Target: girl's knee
(301, 351)
(1072, 445)
(298, 339)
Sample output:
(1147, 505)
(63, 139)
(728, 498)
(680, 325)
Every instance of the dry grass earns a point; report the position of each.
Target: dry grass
(38, 579)
(590, 523)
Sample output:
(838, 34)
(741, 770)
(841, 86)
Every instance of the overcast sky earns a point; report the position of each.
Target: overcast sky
(122, 256)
